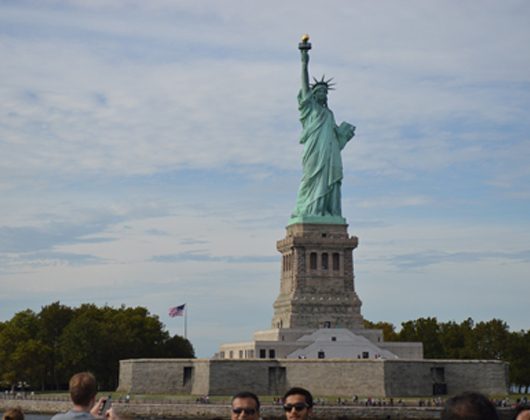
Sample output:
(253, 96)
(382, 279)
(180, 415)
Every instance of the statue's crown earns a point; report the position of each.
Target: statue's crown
(323, 82)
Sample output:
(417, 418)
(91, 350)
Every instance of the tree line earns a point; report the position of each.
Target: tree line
(44, 349)
(467, 340)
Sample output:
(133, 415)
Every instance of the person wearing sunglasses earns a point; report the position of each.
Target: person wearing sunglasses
(297, 404)
(245, 406)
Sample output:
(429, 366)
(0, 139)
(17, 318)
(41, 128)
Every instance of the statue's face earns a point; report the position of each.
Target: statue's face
(321, 94)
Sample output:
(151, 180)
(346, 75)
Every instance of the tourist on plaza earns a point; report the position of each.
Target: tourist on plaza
(83, 390)
(245, 406)
(469, 406)
(297, 404)
(13, 414)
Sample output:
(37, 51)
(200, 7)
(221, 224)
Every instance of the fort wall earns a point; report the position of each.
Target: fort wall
(328, 377)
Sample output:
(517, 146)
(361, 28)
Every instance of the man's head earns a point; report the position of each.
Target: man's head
(83, 389)
(13, 414)
(469, 406)
(245, 406)
(297, 404)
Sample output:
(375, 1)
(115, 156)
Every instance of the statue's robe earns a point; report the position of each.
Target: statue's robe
(319, 192)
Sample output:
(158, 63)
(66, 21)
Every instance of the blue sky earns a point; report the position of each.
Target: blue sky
(149, 155)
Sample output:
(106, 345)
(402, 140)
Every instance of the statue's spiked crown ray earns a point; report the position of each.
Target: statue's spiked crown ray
(323, 82)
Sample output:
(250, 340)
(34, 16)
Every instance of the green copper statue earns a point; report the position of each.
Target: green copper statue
(319, 199)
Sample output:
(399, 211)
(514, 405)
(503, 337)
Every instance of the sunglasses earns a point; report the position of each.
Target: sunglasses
(298, 407)
(248, 411)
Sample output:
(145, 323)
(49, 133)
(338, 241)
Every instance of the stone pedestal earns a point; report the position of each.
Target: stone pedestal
(317, 281)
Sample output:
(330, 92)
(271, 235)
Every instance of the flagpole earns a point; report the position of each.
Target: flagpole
(186, 322)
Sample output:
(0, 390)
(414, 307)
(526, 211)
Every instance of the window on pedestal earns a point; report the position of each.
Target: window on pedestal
(187, 376)
(438, 374)
(325, 262)
(287, 262)
(262, 354)
(272, 353)
(313, 261)
(336, 261)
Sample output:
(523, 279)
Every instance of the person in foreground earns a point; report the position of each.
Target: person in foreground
(297, 404)
(523, 413)
(13, 414)
(83, 390)
(469, 406)
(245, 406)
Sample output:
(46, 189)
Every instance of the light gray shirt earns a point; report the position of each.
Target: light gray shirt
(73, 415)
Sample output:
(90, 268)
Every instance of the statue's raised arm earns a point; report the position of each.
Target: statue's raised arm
(304, 48)
(319, 197)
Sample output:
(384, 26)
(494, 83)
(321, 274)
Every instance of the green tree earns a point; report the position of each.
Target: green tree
(456, 338)
(133, 333)
(81, 344)
(46, 349)
(389, 330)
(141, 334)
(519, 358)
(490, 339)
(177, 347)
(97, 339)
(427, 331)
(29, 358)
(53, 319)
(22, 356)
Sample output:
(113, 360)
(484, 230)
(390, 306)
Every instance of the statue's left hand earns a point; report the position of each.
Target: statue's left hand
(347, 130)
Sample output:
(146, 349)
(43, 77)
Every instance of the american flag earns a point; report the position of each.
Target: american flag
(176, 311)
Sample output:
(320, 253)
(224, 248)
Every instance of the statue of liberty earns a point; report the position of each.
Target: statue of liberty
(319, 198)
